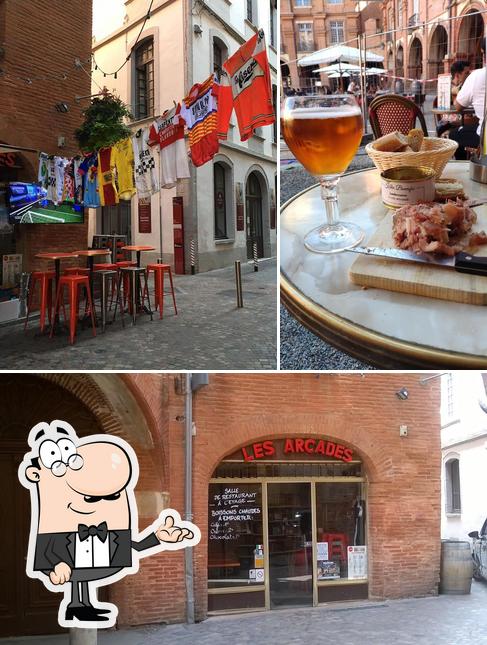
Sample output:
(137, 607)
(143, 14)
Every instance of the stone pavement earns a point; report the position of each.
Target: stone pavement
(209, 332)
(442, 620)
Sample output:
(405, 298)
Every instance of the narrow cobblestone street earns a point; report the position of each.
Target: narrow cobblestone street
(209, 332)
(442, 620)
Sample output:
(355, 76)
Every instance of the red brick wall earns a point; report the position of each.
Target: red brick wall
(361, 411)
(42, 37)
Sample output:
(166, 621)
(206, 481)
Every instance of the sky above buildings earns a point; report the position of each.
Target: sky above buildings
(107, 16)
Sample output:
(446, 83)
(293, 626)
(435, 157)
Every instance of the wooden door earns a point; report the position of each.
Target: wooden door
(26, 606)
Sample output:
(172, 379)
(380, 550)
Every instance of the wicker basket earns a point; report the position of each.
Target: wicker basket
(435, 153)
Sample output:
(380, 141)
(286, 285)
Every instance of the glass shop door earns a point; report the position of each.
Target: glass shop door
(290, 545)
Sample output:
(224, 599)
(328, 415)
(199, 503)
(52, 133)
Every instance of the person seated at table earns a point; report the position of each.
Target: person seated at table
(472, 94)
(459, 72)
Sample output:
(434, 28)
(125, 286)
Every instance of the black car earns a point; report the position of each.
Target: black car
(479, 552)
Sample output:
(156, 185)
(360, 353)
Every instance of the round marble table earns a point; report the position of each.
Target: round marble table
(387, 329)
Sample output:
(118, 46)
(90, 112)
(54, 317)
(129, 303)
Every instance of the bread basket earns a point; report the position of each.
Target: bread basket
(435, 153)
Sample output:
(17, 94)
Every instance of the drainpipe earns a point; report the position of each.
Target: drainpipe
(193, 382)
(188, 497)
(191, 209)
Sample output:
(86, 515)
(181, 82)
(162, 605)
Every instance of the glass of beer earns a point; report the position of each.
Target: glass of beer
(324, 133)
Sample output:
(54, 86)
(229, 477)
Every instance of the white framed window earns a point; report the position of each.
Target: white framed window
(449, 399)
(302, 3)
(334, 1)
(452, 483)
(337, 34)
(305, 36)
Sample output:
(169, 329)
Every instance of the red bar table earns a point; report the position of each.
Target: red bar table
(138, 250)
(57, 257)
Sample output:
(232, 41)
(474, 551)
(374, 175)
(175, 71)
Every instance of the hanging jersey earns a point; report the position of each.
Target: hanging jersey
(145, 165)
(200, 113)
(250, 79)
(68, 187)
(89, 170)
(55, 186)
(43, 172)
(123, 159)
(106, 178)
(78, 181)
(168, 132)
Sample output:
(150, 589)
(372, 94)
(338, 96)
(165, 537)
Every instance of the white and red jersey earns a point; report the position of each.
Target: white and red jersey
(250, 79)
(168, 132)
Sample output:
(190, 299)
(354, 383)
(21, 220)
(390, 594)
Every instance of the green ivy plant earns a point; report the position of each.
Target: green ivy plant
(103, 125)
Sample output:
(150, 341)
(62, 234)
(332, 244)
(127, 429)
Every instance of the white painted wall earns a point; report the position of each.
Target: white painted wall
(464, 436)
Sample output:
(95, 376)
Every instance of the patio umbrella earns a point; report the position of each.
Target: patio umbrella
(375, 70)
(338, 67)
(338, 75)
(338, 52)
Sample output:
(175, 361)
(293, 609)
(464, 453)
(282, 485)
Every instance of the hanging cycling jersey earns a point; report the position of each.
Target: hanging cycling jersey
(168, 132)
(250, 79)
(145, 165)
(123, 160)
(106, 178)
(88, 169)
(205, 114)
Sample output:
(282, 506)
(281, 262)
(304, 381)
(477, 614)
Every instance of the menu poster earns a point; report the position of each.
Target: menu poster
(322, 550)
(231, 510)
(357, 562)
(444, 91)
(328, 570)
(12, 269)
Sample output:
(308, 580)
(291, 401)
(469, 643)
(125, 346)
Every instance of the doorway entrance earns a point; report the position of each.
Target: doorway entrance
(290, 544)
(253, 205)
(287, 526)
(117, 220)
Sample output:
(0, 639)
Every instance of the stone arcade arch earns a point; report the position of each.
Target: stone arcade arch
(470, 32)
(437, 51)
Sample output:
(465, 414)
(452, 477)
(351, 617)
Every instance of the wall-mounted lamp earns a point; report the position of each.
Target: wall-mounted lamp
(402, 394)
(62, 107)
(197, 30)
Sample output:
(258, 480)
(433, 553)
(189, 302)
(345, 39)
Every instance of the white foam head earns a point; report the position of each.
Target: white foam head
(317, 112)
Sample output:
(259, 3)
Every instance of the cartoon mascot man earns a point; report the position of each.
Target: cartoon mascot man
(84, 522)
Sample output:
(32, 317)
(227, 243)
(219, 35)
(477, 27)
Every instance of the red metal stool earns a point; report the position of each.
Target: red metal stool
(76, 271)
(74, 283)
(160, 271)
(123, 264)
(45, 280)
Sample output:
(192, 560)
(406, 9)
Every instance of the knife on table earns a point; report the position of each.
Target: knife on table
(462, 262)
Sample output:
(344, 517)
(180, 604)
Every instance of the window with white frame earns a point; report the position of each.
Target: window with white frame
(336, 32)
(305, 36)
(252, 11)
(449, 399)
(302, 3)
(334, 1)
(273, 22)
(452, 483)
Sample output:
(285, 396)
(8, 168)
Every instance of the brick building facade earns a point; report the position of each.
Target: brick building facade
(309, 25)
(39, 43)
(425, 37)
(393, 480)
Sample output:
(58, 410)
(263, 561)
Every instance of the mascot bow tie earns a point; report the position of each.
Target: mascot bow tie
(101, 531)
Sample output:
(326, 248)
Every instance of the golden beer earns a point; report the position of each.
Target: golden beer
(325, 142)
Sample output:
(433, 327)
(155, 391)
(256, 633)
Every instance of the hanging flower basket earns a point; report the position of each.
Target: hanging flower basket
(103, 125)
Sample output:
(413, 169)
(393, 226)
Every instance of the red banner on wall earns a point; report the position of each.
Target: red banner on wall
(145, 217)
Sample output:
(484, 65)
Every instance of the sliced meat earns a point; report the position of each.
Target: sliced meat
(433, 228)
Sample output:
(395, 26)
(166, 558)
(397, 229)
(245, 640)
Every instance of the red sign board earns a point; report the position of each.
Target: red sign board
(291, 447)
(10, 160)
(145, 219)
(240, 217)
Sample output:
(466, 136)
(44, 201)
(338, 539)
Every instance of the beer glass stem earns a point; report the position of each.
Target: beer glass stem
(330, 197)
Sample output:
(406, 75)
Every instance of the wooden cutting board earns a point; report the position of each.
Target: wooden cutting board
(418, 279)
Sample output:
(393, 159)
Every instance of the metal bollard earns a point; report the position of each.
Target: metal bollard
(192, 256)
(81, 636)
(256, 257)
(238, 282)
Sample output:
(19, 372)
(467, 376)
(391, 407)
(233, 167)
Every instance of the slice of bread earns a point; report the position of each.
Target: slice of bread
(415, 139)
(447, 188)
(391, 142)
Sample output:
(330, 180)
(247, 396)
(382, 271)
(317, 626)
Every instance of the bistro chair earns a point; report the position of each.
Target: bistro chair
(391, 112)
